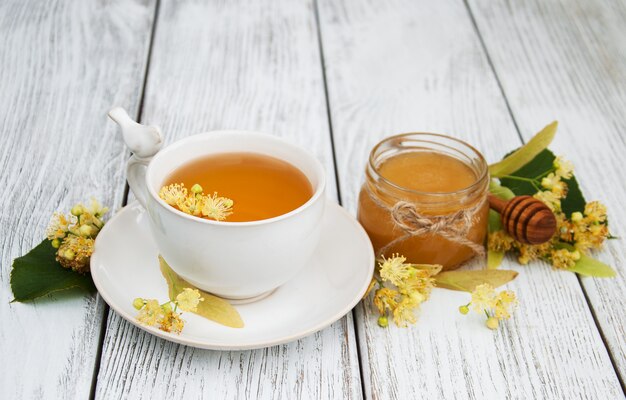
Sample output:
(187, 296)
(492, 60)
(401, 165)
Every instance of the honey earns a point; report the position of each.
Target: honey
(427, 171)
(424, 197)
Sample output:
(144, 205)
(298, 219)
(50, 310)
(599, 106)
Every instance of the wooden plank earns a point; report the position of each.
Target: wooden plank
(220, 65)
(63, 65)
(401, 66)
(566, 60)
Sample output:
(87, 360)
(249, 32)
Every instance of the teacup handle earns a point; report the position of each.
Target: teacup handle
(136, 177)
(144, 141)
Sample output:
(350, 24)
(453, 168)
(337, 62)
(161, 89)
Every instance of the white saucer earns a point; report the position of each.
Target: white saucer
(125, 265)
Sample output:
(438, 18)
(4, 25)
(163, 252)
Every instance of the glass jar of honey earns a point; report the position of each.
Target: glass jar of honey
(425, 197)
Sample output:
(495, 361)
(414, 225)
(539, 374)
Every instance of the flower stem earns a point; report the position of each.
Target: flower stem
(545, 174)
(532, 181)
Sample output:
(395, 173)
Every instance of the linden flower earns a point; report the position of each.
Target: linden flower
(81, 246)
(173, 194)
(599, 231)
(595, 212)
(59, 226)
(495, 306)
(588, 231)
(385, 298)
(560, 189)
(565, 228)
(555, 185)
(584, 242)
(96, 209)
(483, 297)
(419, 282)
(500, 241)
(73, 235)
(216, 207)
(88, 225)
(191, 205)
(404, 313)
(492, 323)
(506, 301)
(592, 238)
(75, 253)
(564, 259)
(550, 181)
(195, 202)
(564, 168)
(550, 199)
(171, 322)
(189, 299)
(394, 269)
(408, 285)
(151, 313)
(418, 297)
(528, 253)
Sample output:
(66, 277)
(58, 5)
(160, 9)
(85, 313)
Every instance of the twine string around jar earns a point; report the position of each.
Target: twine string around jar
(454, 227)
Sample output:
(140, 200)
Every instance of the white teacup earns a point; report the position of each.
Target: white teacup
(235, 260)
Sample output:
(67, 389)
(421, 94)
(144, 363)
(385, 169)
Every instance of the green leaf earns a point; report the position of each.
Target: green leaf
(468, 280)
(212, 308)
(524, 181)
(524, 154)
(574, 201)
(495, 221)
(38, 273)
(588, 266)
(500, 191)
(521, 182)
(494, 259)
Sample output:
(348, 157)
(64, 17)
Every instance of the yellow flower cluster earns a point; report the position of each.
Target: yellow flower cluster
(73, 234)
(563, 258)
(496, 306)
(408, 286)
(555, 188)
(195, 202)
(585, 230)
(188, 299)
(165, 317)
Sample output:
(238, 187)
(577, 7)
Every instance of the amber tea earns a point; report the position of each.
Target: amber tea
(261, 186)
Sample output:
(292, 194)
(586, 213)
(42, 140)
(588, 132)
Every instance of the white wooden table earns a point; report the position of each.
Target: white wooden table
(334, 76)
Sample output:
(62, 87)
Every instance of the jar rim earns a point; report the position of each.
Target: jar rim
(484, 167)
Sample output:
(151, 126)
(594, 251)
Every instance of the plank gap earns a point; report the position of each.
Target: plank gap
(602, 335)
(392, 66)
(239, 51)
(335, 170)
(519, 133)
(146, 72)
(125, 195)
(96, 368)
(493, 69)
(326, 98)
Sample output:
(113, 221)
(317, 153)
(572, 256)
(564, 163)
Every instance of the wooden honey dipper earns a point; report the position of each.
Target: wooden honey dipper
(525, 218)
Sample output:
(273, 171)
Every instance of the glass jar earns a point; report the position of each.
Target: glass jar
(443, 227)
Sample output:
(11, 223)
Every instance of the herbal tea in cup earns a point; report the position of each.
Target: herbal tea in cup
(260, 186)
(277, 193)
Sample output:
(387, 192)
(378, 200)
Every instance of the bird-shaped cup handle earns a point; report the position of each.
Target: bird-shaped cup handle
(144, 141)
